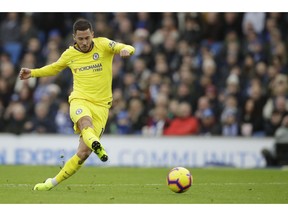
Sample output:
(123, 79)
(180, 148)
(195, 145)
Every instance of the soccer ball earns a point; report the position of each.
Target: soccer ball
(179, 179)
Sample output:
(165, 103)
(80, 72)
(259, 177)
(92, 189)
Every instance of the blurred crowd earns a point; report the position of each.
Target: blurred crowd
(202, 74)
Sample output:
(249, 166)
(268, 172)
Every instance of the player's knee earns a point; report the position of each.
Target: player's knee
(84, 122)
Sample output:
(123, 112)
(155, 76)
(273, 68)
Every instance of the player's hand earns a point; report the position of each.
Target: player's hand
(25, 73)
(124, 53)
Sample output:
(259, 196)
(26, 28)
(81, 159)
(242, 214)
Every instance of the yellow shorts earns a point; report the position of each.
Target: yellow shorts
(99, 114)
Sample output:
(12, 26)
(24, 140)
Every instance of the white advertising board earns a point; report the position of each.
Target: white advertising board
(138, 151)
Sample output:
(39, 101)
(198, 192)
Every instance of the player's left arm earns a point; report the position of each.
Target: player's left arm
(122, 49)
(127, 51)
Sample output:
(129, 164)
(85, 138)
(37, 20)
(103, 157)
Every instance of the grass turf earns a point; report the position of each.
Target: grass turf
(118, 185)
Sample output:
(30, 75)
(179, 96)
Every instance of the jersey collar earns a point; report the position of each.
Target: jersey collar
(77, 48)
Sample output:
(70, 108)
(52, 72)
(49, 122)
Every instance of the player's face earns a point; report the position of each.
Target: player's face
(84, 39)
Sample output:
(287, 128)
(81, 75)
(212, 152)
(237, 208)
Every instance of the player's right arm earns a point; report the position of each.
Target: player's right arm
(48, 70)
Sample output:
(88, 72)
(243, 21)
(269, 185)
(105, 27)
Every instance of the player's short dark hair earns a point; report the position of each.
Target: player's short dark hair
(81, 25)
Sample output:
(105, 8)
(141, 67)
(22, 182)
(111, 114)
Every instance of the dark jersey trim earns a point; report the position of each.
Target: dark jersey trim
(91, 47)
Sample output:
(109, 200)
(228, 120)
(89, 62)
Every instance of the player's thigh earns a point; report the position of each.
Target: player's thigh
(79, 109)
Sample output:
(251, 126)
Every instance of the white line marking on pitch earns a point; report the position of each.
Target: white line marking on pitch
(104, 185)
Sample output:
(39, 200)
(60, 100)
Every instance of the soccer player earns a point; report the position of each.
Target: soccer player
(90, 61)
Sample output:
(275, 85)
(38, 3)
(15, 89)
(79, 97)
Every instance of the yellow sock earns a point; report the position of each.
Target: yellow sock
(88, 135)
(69, 169)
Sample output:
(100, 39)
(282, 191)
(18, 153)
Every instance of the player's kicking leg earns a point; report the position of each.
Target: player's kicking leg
(69, 168)
(90, 138)
(45, 186)
(99, 151)
(89, 120)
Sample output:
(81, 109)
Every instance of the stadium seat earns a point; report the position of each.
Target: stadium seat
(14, 50)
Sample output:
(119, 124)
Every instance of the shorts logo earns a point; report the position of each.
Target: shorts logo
(78, 111)
(95, 56)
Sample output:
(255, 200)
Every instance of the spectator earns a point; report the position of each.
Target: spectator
(162, 67)
(207, 54)
(63, 122)
(168, 29)
(233, 22)
(2, 110)
(253, 108)
(229, 123)
(137, 115)
(203, 104)
(233, 86)
(278, 156)
(172, 108)
(24, 96)
(184, 123)
(230, 117)
(278, 103)
(7, 72)
(5, 93)
(125, 30)
(10, 36)
(118, 122)
(28, 60)
(123, 125)
(250, 122)
(254, 45)
(10, 28)
(183, 94)
(156, 122)
(41, 123)
(273, 123)
(129, 84)
(17, 119)
(211, 94)
(142, 73)
(33, 47)
(102, 27)
(253, 21)
(144, 21)
(27, 29)
(192, 30)
(208, 124)
(281, 134)
(212, 28)
(41, 88)
(140, 39)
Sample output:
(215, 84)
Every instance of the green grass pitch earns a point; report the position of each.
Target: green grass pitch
(119, 185)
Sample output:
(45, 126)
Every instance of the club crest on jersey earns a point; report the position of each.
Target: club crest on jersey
(95, 56)
(78, 111)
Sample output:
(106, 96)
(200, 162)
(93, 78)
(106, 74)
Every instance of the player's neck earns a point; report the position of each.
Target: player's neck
(77, 47)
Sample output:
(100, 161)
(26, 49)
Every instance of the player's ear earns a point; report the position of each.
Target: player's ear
(73, 35)
(92, 33)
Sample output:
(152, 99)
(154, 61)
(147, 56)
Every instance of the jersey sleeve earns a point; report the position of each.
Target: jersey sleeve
(52, 69)
(116, 47)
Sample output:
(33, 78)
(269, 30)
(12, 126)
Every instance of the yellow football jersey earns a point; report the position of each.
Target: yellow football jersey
(92, 71)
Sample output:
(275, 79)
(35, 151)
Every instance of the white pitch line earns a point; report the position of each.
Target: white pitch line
(216, 184)
(136, 185)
